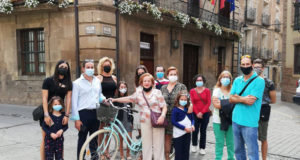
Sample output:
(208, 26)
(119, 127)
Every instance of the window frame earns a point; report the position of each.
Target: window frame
(36, 52)
(296, 55)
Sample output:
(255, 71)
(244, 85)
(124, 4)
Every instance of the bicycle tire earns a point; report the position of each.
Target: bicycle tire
(85, 155)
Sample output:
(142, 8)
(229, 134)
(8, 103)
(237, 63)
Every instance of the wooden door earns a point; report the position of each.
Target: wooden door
(221, 60)
(190, 64)
(147, 51)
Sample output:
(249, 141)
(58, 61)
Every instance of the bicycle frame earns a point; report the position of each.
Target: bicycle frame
(118, 128)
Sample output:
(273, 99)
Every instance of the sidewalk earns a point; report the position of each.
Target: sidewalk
(20, 136)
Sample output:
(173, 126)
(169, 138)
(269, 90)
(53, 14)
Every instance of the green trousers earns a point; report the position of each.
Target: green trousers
(221, 137)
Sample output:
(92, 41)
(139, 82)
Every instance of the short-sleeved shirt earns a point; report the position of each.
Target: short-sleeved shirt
(155, 100)
(248, 115)
(269, 86)
(60, 89)
(219, 94)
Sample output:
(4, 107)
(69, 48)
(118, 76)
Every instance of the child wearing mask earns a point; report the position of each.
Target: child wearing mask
(183, 126)
(54, 139)
(124, 117)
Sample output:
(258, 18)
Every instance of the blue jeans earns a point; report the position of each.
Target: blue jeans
(245, 135)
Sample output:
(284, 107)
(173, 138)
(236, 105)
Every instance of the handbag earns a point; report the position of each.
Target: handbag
(38, 113)
(154, 116)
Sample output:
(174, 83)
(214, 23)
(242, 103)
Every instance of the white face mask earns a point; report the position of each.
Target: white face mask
(123, 90)
(173, 78)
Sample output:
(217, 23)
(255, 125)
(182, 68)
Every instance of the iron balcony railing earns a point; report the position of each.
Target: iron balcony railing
(251, 14)
(266, 54)
(253, 51)
(277, 56)
(277, 25)
(266, 19)
(195, 11)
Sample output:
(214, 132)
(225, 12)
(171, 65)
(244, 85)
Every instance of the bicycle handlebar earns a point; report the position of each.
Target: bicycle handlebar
(122, 108)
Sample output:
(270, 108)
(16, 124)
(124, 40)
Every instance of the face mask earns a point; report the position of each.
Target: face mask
(225, 81)
(107, 69)
(62, 71)
(57, 107)
(246, 70)
(258, 71)
(199, 83)
(182, 103)
(89, 72)
(147, 89)
(173, 78)
(159, 75)
(123, 90)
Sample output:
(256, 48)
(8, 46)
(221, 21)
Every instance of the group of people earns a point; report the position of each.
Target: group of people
(240, 114)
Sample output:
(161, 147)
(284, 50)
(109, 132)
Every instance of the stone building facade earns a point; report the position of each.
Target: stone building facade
(291, 52)
(262, 29)
(33, 40)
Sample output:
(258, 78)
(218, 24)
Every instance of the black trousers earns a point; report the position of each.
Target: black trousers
(90, 125)
(202, 124)
(182, 147)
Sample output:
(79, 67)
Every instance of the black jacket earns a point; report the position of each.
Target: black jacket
(226, 114)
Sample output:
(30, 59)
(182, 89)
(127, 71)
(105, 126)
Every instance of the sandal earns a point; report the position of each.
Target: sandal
(128, 158)
(102, 157)
(107, 155)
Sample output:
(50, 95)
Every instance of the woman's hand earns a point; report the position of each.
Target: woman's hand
(200, 115)
(59, 133)
(48, 120)
(65, 120)
(54, 136)
(161, 120)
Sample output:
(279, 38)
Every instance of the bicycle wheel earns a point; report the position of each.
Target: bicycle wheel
(108, 146)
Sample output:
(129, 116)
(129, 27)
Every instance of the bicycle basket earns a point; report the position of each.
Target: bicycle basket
(106, 113)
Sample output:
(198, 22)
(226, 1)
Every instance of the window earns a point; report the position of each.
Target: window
(32, 50)
(297, 59)
(297, 16)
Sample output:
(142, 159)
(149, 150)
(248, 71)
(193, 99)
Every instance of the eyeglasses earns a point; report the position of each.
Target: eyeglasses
(246, 56)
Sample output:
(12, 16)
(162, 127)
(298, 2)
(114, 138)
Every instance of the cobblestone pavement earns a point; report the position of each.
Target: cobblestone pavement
(20, 136)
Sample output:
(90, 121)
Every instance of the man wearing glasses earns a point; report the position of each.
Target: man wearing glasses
(246, 112)
(86, 93)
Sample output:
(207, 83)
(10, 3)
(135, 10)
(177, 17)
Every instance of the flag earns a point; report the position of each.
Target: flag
(212, 2)
(222, 4)
(232, 5)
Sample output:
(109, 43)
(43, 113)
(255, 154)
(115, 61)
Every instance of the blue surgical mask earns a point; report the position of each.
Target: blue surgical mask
(182, 103)
(57, 107)
(89, 72)
(225, 81)
(199, 83)
(160, 75)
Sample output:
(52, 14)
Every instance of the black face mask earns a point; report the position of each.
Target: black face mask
(147, 89)
(62, 71)
(246, 70)
(107, 69)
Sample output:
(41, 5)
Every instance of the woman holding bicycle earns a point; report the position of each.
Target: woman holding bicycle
(148, 99)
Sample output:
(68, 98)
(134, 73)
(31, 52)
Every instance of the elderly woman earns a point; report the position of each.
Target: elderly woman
(149, 98)
(170, 93)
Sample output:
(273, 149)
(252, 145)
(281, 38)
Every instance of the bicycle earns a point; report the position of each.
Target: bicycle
(110, 141)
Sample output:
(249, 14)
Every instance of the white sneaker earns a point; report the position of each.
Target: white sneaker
(202, 151)
(194, 149)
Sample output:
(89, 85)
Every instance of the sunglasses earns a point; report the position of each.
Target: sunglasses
(246, 56)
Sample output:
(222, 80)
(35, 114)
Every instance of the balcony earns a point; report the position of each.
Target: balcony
(277, 25)
(266, 54)
(251, 14)
(277, 56)
(266, 19)
(195, 11)
(22, 2)
(253, 51)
